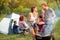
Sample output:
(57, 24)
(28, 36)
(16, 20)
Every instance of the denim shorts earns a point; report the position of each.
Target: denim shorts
(33, 25)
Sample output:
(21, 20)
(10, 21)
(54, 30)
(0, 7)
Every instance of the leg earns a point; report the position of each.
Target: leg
(52, 36)
(46, 38)
(32, 33)
(38, 38)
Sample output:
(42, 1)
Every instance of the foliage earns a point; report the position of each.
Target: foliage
(9, 6)
(57, 30)
(15, 37)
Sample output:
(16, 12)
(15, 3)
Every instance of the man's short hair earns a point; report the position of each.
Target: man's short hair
(44, 3)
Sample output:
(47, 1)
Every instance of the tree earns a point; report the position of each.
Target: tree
(58, 3)
(8, 6)
(4, 6)
(20, 5)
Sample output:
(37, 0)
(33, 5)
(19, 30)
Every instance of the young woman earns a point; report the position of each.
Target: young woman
(22, 24)
(32, 18)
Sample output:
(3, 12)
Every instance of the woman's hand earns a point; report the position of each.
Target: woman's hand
(40, 23)
(39, 35)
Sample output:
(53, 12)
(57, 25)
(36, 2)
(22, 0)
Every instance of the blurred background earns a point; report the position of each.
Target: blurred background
(23, 6)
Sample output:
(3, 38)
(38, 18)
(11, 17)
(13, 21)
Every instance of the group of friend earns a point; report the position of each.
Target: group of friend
(40, 26)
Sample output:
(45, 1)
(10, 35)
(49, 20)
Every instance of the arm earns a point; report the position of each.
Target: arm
(40, 23)
(36, 17)
(26, 25)
(53, 14)
(28, 17)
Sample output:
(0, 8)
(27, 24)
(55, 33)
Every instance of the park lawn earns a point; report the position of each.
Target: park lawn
(28, 37)
(57, 30)
(15, 37)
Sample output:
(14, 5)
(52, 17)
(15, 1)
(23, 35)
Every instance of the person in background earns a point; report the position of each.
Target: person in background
(15, 28)
(32, 18)
(22, 24)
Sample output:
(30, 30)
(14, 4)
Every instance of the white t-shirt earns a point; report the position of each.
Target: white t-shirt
(32, 18)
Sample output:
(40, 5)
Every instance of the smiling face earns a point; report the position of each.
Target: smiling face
(35, 9)
(43, 7)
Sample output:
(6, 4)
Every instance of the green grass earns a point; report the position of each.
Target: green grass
(57, 30)
(15, 37)
(2, 16)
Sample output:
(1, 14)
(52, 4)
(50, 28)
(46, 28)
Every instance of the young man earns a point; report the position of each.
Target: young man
(49, 15)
